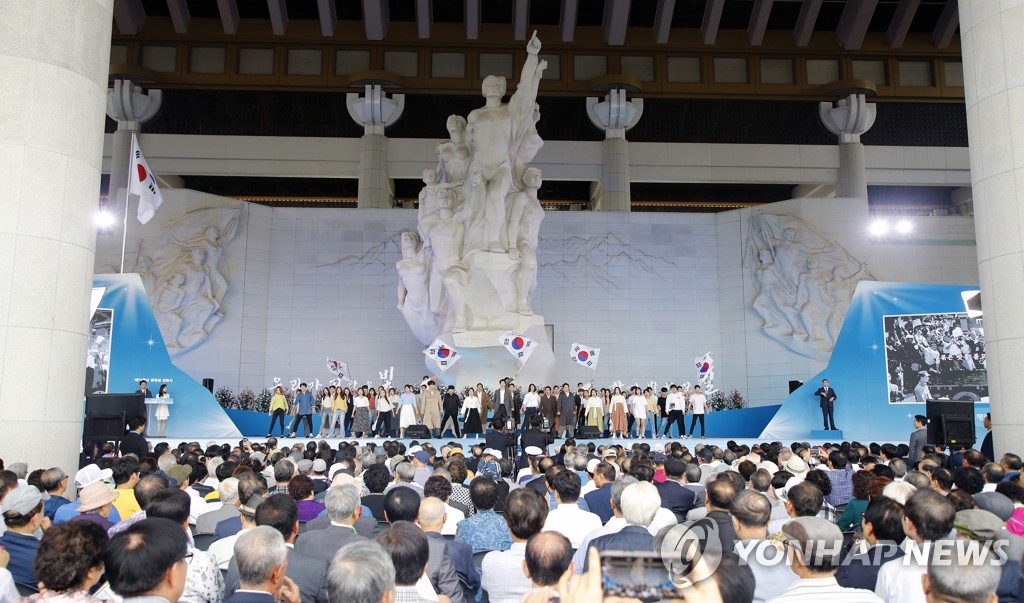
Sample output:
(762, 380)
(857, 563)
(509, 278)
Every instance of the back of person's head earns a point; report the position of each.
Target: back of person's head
(401, 504)
(993, 473)
(123, 469)
(548, 557)
(974, 458)
(838, 460)
(606, 470)
(567, 485)
(692, 473)
(52, 478)
(170, 503)
(148, 486)
(258, 553)
(376, 478)
(739, 484)
(483, 492)
(640, 503)
(918, 479)
(409, 551)
(437, 486)
(969, 479)
(67, 552)
(526, 510)
(820, 479)
(619, 486)
(735, 579)
(249, 485)
(720, 493)
(280, 512)
(886, 518)
(138, 559)
(898, 466)
(405, 471)
(760, 480)
(930, 513)
(642, 469)
(806, 499)
(954, 577)
(751, 509)
(898, 491)
(341, 502)
(361, 572)
(943, 478)
(283, 470)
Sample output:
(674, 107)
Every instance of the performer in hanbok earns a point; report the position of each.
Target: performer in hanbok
(618, 412)
(595, 410)
(471, 412)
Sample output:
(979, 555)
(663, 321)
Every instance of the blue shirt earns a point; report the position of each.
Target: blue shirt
(304, 402)
(69, 511)
(23, 553)
(50, 507)
(485, 531)
(407, 398)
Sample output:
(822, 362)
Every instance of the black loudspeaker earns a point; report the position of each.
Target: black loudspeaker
(208, 384)
(106, 415)
(950, 422)
(794, 385)
(589, 432)
(417, 431)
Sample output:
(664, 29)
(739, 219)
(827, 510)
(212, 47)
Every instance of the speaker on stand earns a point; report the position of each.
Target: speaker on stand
(208, 384)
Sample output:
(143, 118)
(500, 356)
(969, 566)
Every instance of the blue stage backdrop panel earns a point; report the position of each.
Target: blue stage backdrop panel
(137, 351)
(857, 369)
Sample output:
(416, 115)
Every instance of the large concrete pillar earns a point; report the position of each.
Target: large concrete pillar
(614, 115)
(993, 74)
(54, 56)
(848, 119)
(375, 112)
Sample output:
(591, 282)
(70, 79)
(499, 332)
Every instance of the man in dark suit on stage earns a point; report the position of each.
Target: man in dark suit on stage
(502, 401)
(262, 561)
(986, 442)
(549, 407)
(309, 573)
(343, 510)
(918, 440)
(145, 391)
(827, 399)
(134, 442)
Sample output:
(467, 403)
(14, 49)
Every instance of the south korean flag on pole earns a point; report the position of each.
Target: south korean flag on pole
(442, 354)
(517, 345)
(585, 355)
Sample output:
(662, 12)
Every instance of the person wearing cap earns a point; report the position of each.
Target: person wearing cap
(986, 528)
(1002, 507)
(22, 510)
(921, 392)
(85, 476)
(813, 546)
(320, 483)
(450, 404)
(95, 503)
(421, 466)
(927, 517)
(224, 548)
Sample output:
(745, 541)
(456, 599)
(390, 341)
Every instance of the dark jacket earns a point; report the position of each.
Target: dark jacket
(134, 443)
(861, 570)
(250, 597)
(308, 573)
(323, 544)
(629, 538)
(450, 403)
(675, 497)
(600, 502)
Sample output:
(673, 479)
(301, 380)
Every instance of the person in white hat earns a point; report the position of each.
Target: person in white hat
(85, 476)
(96, 501)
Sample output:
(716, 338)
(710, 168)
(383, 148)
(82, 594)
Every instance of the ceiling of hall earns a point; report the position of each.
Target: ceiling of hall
(850, 20)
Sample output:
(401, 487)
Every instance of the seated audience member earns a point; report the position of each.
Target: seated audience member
(126, 475)
(343, 511)
(403, 504)
(249, 485)
(85, 476)
(928, 516)
(23, 515)
(501, 572)
(882, 525)
(985, 528)
(54, 482)
(674, 495)
(309, 573)
(144, 491)
(204, 582)
(361, 572)
(440, 487)
(956, 578)
(147, 561)
(599, 499)
(224, 548)
(262, 559)
(548, 558)
(735, 580)
(751, 512)
(486, 530)
(802, 500)
(69, 562)
(720, 493)
(376, 478)
(431, 518)
(567, 518)
(640, 502)
(409, 554)
(95, 503)
(616, 523)
(860, 481)
(300, 488)
(813, 545)
(228, 490)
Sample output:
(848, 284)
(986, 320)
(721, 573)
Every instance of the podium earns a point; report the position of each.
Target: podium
(151, 404)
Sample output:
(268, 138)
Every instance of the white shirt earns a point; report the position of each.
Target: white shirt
(674, 402)
(817, 590)
(899, 580)
(772, 575)
(698, 402)
(8, 592)
(638, 405)
(454, 517)
(595, 402)
(501, 574)
(384, 404)
(664, 518)
(531, 400)
(361, 402)
(618, 399)
(224, 549)
(572, 522)
(327, 403)
(471, 402)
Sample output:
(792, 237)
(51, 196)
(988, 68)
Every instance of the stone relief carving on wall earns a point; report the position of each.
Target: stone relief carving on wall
(184, 276)
(471, 265)
(803, 282)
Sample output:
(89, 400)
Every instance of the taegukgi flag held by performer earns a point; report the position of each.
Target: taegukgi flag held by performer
(519, 346)
(585, 355)
(442, 354)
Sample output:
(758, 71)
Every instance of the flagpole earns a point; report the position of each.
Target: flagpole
(127, 198)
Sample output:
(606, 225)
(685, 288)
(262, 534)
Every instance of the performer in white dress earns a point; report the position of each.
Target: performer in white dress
(163, 412)
(638, 408)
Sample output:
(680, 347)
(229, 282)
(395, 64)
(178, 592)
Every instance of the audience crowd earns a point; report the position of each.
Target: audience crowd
(386, 523)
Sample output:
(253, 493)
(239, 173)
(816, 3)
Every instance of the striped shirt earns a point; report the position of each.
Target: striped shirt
(817, 590)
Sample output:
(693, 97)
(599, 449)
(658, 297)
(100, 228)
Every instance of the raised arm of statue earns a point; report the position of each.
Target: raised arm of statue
(525, 96)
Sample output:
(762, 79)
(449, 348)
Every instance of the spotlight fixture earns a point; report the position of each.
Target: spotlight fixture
(104, 219)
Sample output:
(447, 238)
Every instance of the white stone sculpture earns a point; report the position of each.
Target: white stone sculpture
(479, 222)
(183, 272)
(803, 283)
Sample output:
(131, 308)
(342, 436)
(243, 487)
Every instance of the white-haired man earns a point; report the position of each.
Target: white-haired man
(640, 503)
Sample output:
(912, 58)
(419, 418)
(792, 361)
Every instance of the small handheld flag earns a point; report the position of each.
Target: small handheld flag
(442, 354)
(517, 345)
(584, 355)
